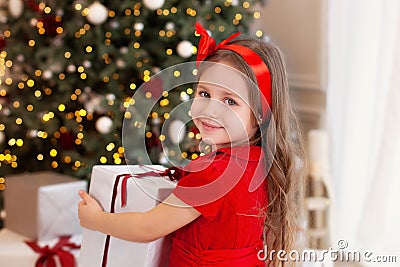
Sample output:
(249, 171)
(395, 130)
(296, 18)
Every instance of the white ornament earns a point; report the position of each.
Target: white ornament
(6, 111)
(110, 97)
(114, 24)
(47, 74)
(33, 22)
(177, 131)
(20, 58)
(124, 50)
(87, 63)
(170, 26)
(60, 12)
(98, 13)
(185, 97)
(32, 133)
(15, 7)
(71, 68)
(104, 124)
(184, 49)
(138, 26)
(155, 121)
(2, 137)
(120, 63)
(235, 2)
(153, 4)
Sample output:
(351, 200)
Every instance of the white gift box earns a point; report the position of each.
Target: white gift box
(142, 194)
(43, 205)
(14, 252)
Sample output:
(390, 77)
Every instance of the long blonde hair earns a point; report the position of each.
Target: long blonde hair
(289, 163)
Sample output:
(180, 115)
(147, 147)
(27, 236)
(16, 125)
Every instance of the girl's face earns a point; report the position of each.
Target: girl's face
(221, 109)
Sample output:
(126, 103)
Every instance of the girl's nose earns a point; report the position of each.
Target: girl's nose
(213, 108)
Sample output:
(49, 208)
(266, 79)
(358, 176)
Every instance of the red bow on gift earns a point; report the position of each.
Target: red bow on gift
(47, 253)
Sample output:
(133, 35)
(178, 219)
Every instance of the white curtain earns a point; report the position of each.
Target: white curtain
(363, 122)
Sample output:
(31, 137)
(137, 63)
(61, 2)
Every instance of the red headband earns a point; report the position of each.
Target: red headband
(208, 45)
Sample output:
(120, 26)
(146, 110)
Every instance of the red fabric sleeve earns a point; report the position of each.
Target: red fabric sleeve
(201, 190)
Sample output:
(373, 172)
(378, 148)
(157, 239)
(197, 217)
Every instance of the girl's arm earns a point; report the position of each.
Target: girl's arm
(136, 226)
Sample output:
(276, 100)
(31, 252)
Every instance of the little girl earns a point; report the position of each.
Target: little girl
(244, 195)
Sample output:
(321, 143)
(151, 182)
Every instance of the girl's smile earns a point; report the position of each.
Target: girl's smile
(207, 126)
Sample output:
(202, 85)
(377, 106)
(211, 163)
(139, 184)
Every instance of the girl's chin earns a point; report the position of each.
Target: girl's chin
(214, 144)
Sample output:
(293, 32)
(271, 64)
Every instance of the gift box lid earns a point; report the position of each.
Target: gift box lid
(152, 181)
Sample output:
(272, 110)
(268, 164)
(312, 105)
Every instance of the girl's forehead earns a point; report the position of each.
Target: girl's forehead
(226, 78)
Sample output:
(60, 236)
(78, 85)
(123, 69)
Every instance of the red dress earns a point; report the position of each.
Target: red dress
(228, 188)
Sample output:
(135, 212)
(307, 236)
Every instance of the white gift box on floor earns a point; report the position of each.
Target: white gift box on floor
(14, 252)
(43, 205)
(142, 195)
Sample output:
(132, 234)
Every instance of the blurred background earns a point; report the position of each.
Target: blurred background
(68, 70)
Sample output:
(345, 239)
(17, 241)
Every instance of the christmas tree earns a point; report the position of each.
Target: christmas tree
(68, 70)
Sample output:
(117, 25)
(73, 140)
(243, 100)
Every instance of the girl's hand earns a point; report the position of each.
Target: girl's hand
(89, 211)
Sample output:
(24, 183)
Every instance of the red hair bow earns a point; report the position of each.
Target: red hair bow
(207, 44)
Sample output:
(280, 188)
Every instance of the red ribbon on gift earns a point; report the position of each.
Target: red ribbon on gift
(47, 253)
(124, 178)
(174, 174)
(123, 189)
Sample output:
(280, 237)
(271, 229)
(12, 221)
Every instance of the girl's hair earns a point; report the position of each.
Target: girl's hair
(288, 170)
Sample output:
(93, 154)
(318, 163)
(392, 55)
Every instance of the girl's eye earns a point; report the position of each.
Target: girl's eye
(204, 94)
(230, 101)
